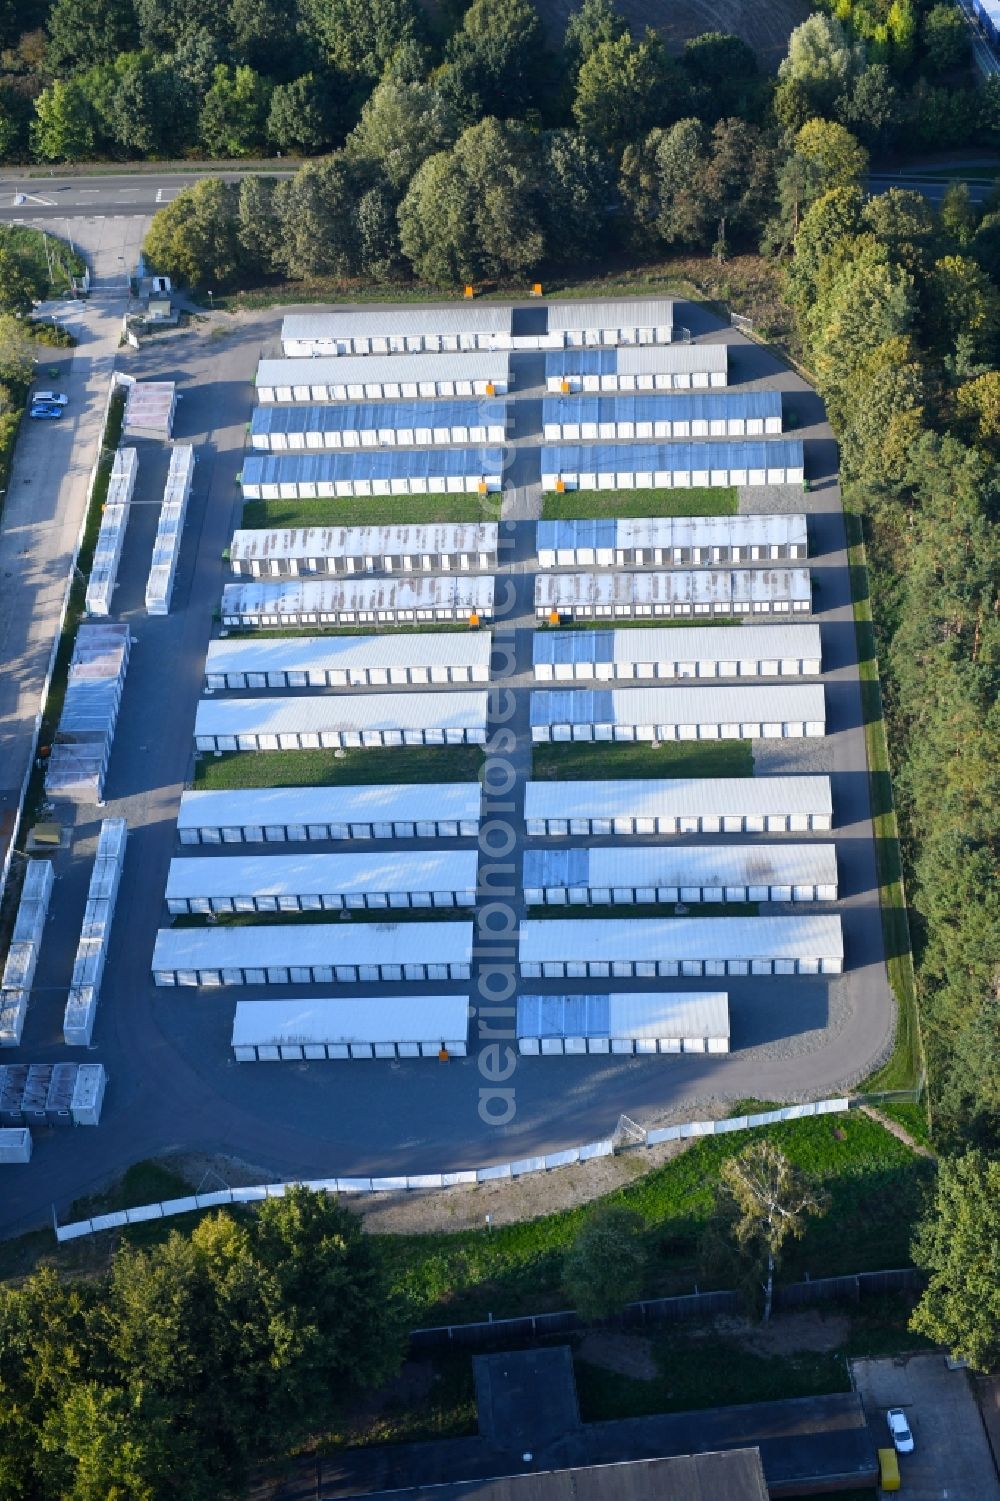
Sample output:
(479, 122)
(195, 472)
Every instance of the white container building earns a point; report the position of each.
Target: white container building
(675, 594)
(386, 424)
(314, 954)
(432, 547)
(15, 1144)
(111, 537)
(680, 873)
(672, 541)
(149, 409)
(642, 466)
(704, 651)
(765, 711)
(398, 471)
(584, 325)
(397, 330)
(670, 367)
(396, 599)
(649, 947)
(349, 661)
(689, 805)
(283, 815)
(95, 934)
(88, 1094)
(167, 547)
(79, 757)
(723, 414)
(322, 883)
(384, 377)
(341, 721)
(636, 1022)
(379, 1026)
(289, 815)
(22, 956)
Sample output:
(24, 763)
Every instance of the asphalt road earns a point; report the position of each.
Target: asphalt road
(97, 193)
(174, 1084)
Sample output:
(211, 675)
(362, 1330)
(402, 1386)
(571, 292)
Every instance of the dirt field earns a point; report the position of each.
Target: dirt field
(764, 24)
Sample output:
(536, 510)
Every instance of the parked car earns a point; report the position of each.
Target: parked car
(50, 398)
(900, 1430)
(45, 411)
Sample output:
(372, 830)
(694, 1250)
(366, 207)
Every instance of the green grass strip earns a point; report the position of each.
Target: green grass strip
(906, 1068)
(323, 768)
(586, 760)
(580, 505)
(374, 510)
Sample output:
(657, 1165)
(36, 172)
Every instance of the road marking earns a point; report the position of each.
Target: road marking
(160, 192)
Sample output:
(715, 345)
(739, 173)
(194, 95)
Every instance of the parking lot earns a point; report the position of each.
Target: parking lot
(951, 1459)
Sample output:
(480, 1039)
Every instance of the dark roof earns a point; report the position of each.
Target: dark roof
(736, 1476)
(526, 1398)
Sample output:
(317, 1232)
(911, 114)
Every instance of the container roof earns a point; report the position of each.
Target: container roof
(342, 711)
(659, 1013)
(301, 874)
(816, 935)
(701, 643)
(377, 1018)
(297, 596)
(708, 586)
(625, 865)
(385, 369)
(644, 359)
(675, 531)
(630, 458)
(280, 944)
(370, 417)
(381, 322)
(327, 653)
(751, 702)
(674, 797)
(365, 541)
(619, 313)
(398, 802)
(661, 406)
(362, 464)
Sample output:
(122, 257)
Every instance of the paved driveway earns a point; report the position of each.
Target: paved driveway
(951, 1459)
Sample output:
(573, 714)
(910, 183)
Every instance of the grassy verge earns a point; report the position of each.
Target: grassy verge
(321, 768)
(576, 505)
(648, 623)
(621, 911)
(47, 261)
(585, 760)
(374, 510)
(905, 1068)
(75, 612)
(875, 1183)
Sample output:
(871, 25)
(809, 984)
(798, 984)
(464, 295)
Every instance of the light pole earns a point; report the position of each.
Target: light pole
(211, 302)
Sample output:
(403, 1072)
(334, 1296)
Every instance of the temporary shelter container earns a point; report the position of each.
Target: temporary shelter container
(672, 541)
(341, 720)
(386, 424)
(88, 1094)
(79, 758)
(578, 325)
(13, 1009)
(314, 954)
(36, 1094)
(349, 661)
(432, 547)
(398, 471)
(380, 1026)
(766, 711)
(59, 1100)
(701, 805)
(725, 414)
(15, 1144)
(167, 547)
(22, 955)
(680, 873)
(322, 883)
(639, 466)
(704, 651)
(655, 1021)
(626, 948)
(670, 367)
(398, 599)
(675, 594)
(149, 409)
(397, 330)
(286, 815)
(384, 377)
(95, 934)
(13, 1078)
(114, 519)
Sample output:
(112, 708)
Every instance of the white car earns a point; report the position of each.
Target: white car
(50, 398)
(899, 1428)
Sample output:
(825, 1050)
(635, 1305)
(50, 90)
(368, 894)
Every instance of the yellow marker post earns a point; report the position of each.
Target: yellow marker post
(536, 289)
(469, 292)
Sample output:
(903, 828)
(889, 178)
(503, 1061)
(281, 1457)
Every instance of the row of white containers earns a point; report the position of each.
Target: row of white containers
(166, 548)
(107, 553)
(88, 968)
(22, 956)
(79, 758)
(51, 1094)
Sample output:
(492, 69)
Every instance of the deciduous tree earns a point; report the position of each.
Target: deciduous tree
(603, 1268)
(770, 1201)
(958, 1244)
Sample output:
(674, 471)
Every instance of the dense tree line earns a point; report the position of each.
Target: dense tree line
(155, 78)
(191, 1360)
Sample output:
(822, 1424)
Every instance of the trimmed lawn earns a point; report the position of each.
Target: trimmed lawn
(875, 1183)
(323, 768)
(374, 510)
(576, 505)
(586, 760)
